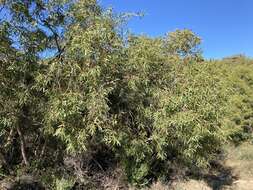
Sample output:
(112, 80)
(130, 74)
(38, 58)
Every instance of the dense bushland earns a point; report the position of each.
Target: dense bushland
(77, 96)
(240, 115)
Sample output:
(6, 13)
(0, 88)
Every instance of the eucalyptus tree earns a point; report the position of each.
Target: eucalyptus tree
(30, 32)
(184, 43)
(72, 84)
(78, 108)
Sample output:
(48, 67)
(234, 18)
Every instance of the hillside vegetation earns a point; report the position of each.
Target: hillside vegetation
(83, 106)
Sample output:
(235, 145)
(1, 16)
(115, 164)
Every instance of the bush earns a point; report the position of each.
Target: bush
(147, 110)
(172, 111)
(240, 104)
(148, 102)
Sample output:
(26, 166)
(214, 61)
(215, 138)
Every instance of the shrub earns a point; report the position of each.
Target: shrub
(240, 104)
(148, 102)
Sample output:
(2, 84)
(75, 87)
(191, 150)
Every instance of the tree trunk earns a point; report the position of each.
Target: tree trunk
(22, 146)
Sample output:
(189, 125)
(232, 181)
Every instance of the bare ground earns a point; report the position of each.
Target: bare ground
(236, 173)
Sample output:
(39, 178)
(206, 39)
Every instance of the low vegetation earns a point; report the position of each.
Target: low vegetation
(84, 107)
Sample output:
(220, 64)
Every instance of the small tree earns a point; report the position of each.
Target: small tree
(93, 92)
(31, 30)
(184, 43)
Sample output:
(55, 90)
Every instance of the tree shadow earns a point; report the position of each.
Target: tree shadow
(219, 176)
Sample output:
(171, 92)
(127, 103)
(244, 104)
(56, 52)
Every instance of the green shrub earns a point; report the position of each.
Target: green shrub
(240, 104)
(64, 184)
(147, 109)
(147, 101)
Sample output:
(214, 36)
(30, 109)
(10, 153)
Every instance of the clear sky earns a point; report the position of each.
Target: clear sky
(226, 26)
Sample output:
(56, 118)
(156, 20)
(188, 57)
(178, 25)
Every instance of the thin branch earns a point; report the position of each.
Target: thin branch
(55, 35)
(10, 138)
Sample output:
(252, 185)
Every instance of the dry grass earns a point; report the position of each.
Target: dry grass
(239, 161)
(240, 158)
(191, 185)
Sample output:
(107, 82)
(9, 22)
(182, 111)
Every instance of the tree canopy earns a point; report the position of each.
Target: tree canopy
(72, 85)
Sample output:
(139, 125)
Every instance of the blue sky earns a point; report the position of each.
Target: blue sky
(226, 26)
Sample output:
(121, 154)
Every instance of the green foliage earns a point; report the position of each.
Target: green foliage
(175, 110)
(240, 104)
(77, 107)
(63, 184)
(147, 101)
(184, 43)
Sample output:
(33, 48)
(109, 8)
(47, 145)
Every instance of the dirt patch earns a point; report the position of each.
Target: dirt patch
(191, 185)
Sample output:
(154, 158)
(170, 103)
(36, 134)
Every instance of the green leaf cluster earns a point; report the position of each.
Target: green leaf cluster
(71, 83)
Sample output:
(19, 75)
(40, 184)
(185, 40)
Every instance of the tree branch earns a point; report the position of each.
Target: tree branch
(55, 35)
(22, 146)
